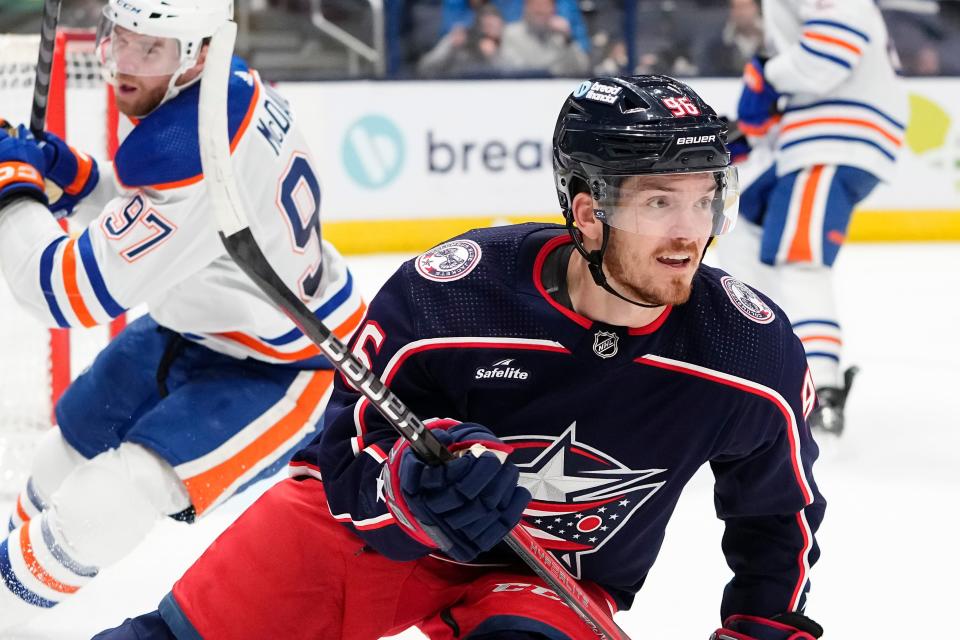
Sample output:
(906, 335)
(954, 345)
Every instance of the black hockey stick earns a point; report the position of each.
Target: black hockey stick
(41, 84)
(235, 233)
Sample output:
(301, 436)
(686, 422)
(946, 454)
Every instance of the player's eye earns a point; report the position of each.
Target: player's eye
(659, 202)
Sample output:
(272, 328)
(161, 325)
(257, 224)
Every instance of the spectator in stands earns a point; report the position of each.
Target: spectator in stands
(542, 41)
(467, 51)
(924, 61)
(606, 22)
(614, 59)
(657, 41)
(725, 53)
(916, 30)
(462, 12)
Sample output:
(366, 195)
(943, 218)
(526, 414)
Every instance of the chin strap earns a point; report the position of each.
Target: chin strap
(173, 90)
(595, 262)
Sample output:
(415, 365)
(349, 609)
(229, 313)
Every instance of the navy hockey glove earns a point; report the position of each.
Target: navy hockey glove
(463, 507)
(757, 110)
(73, 171)
(21, 166)
(784, 626)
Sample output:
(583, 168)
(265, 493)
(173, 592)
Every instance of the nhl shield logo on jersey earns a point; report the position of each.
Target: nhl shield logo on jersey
(581, 495)
(746, 301)
(605, 344)
(449, 261)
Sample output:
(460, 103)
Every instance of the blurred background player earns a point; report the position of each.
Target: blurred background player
(214, 388)
(826, 114)
(597, 367)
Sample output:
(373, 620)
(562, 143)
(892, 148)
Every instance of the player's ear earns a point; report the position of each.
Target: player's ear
(196, 69)
(202, 56)
(589, 226)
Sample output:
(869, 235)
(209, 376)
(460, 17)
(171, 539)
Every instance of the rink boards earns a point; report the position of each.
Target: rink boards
(405, 164)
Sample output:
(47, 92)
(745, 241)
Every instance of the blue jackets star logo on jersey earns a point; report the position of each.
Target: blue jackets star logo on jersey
(581, 496)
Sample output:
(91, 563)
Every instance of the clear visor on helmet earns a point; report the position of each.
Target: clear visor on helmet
(121, 50)
(689, 205)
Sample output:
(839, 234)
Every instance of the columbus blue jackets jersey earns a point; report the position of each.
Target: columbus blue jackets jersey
(608, 423)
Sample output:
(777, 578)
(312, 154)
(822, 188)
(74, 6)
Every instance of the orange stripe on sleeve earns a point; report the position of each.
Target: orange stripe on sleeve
(831, 40)
(833, 339)
(34, 566)
(800, 250)
(207, 487)
(21, 512)
(73, 290)
(84, 166)
(848, 121)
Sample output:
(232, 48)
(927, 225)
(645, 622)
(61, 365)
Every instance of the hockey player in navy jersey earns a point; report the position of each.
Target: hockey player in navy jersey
(215, 387)
(602, 360)
(826, 112)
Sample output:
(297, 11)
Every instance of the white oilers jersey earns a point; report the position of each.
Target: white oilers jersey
(155, 242)
(844, 103)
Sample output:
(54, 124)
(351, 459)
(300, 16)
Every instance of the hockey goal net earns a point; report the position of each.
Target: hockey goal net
(37, 363)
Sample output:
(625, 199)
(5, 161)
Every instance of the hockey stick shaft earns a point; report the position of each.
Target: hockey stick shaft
(41, 84)
(242, 246)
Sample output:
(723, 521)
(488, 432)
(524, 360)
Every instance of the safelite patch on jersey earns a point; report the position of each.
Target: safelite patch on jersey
(449, 261)
(746, 301)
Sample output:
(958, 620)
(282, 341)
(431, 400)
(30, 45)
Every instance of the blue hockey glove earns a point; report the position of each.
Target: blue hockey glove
(21, 166)
(757, 110)
(463, 507)
(73, 171)
(785, 626)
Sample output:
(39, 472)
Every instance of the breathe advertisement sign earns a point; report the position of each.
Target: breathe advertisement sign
(432, 149)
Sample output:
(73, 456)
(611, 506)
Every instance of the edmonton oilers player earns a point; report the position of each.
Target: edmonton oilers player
(826, 113)
(641, 366)
(215, 387)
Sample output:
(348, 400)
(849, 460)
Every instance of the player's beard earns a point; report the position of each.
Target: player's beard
(633, 280)
(145, 99)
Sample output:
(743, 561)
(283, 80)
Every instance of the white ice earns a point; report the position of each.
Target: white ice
(891, 557)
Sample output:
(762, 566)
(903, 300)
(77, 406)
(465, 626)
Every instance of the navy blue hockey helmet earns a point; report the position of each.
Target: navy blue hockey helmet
(612, 128)
(614, 132)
